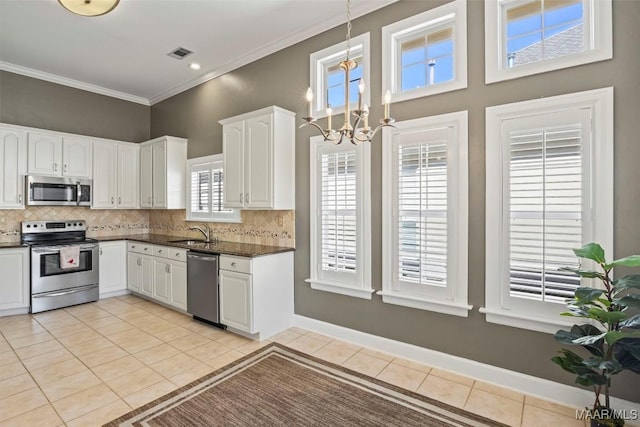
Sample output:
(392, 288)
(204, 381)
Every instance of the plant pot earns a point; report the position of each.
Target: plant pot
(607, 422)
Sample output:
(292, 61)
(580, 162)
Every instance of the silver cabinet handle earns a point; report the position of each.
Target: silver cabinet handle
(133, 246)
(55, 167)
(177, 253)
(119, 200)
(233, 264)
(168, 268)
(111, 200)
(146, 249)
(20, 198)
(246, 198)
(240, 197)
(139, 262)
(100, 251)
(65, 167)
(159, 251)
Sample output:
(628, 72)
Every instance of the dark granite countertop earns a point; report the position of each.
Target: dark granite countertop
(226, 248)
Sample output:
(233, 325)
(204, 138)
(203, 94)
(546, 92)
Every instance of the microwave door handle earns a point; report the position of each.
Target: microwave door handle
(78, 192)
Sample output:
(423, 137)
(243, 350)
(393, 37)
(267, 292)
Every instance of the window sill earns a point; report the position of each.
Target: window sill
(339, 288)
(523, 321)
(223, 220)
(445, 307)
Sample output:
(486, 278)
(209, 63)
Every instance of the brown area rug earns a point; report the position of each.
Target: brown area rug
(278, 386)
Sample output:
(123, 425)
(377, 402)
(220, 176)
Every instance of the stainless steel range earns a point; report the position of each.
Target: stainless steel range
(64, 264)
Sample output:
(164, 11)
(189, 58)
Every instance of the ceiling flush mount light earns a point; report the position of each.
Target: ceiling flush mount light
(355, 133)
(89, 7)
(194, 66)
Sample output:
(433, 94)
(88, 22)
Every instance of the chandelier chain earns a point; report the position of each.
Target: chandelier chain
(348, 28)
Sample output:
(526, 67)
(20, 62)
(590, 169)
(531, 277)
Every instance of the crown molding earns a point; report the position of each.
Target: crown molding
(53, 78)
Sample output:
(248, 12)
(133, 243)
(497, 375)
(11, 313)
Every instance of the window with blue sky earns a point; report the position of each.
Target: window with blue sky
(543, 29)
(335, 84)
(427, 60)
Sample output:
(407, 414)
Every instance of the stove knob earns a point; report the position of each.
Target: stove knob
(28, 225)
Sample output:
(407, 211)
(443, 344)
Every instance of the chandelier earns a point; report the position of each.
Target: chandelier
(359, 131)
(89, 7)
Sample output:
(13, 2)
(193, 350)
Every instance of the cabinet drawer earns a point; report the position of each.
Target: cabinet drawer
(177, 254)
(234, 263)
(140, 248)
(161, 251)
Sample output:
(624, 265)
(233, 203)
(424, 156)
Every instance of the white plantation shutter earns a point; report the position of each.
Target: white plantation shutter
(425, 214)
(340, 222)
(338, 211)
(206, 191)
(545, 205)
(422, 213)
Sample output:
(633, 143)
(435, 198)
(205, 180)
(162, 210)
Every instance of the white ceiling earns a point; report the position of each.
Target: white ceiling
(124, 53)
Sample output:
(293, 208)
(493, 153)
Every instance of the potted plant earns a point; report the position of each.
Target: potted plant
(611, 335)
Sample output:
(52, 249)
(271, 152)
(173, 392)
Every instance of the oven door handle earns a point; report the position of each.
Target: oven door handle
(50, 250)
(78, 192)
(66, 292)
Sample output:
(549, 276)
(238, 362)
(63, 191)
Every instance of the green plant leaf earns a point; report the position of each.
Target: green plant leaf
(631, 345)
(612, 336)
(632, 281)
(590, 274)
(630, 261)
(632, 301)
(589, 340)
(592, 251)
(588, 294)
(612, 365)
(608, 317)
(631, 323)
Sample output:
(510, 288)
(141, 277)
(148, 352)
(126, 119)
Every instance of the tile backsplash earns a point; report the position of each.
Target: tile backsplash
(274, 228)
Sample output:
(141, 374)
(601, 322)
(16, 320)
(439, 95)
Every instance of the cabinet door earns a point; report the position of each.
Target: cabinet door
(159, 174)
(236, 301)
(233, 155)
(134, 271)
(178, 293)
(13, 167)
(161, 279)
(258, 166)
(113, 256)
(14, 265)
(44, 154)
(146, 283)
(128, 167)
(77, 159)
(146, 176)
(104, 175)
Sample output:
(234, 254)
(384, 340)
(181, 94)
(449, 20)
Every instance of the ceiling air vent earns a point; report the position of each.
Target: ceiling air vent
(180, 53)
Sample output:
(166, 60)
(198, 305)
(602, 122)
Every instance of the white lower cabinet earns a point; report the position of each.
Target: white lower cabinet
(256, 294)
(113, 256)
(14, 292)
(158, 272)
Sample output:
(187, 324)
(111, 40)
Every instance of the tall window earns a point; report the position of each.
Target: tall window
(524, 37)
(425, 189)
(327, 78)
(205, 188)
(426, 54)
(340, 221)
(549, 186)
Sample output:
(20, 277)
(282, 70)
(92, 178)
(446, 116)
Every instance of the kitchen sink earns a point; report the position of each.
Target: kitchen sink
(189, 242)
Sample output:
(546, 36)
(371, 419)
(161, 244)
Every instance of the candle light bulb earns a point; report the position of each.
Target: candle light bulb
(309, 95)
(387, 97)
(329, 113)
(361, 86)
(365, 113)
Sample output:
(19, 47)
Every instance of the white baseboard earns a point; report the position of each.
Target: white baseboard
(523, 383)
(117, 293)
(14, 311)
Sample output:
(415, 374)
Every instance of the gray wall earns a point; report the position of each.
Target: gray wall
(31, 102)
(281, 79)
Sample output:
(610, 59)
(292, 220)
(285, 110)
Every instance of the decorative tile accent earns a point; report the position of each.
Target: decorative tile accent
(273, 228)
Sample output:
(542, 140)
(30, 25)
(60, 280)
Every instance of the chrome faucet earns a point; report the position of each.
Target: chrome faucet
(205, 230)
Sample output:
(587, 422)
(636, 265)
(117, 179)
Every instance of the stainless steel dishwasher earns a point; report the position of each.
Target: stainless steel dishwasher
(202, 287)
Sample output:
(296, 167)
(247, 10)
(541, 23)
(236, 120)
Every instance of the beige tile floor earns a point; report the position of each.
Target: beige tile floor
(88, 364)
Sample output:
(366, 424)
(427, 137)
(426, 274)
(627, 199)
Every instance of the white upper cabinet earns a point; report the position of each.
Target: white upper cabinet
(163, 173)
(115, 175)
(13, 166)
(52, 154)
(259, 159)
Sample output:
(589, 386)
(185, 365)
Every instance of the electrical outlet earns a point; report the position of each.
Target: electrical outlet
(281, 221)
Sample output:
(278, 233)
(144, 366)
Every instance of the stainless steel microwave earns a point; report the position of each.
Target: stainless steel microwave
(58, 191)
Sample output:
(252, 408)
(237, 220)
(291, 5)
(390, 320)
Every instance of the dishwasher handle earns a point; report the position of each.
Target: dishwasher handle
(203, 257)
